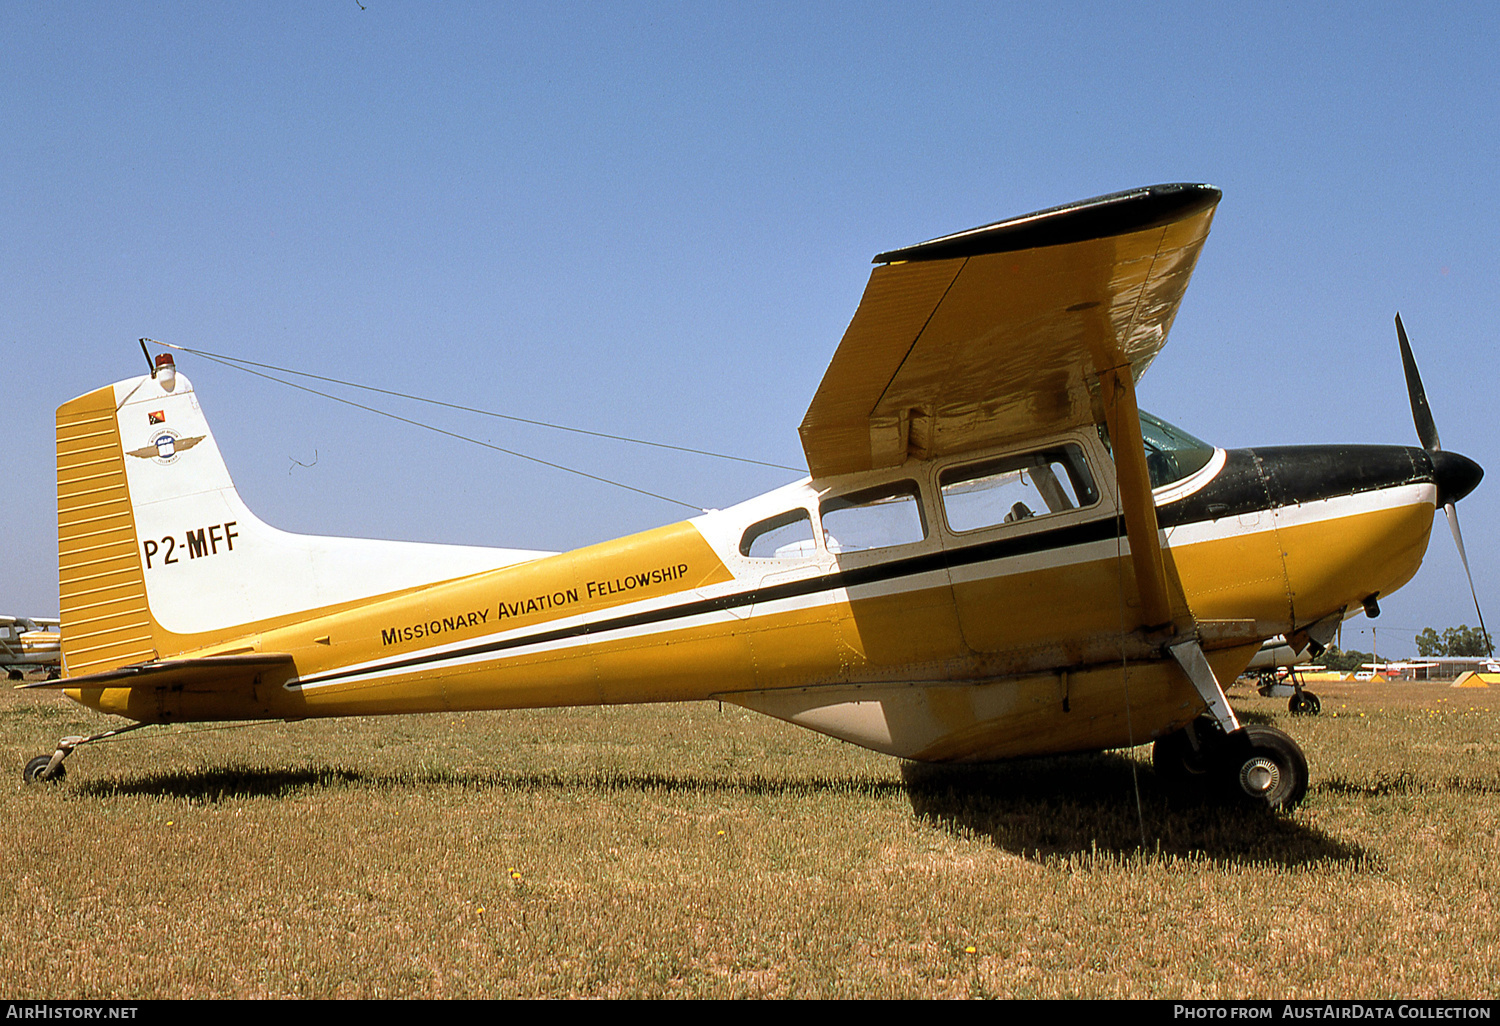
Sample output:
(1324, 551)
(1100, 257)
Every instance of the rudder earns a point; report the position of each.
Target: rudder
(102, 590)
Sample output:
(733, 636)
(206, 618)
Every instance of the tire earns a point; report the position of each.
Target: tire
(36, 767)
(1304, 703)
(1265, 768)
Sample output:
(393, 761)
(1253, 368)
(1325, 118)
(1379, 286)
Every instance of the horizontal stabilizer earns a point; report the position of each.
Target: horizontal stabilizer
(222, 671)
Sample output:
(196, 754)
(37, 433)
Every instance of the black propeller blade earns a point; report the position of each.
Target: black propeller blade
(1454, 479)
(1421, 412)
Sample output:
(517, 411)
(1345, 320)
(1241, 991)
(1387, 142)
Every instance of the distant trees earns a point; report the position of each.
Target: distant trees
(1462, 640)
(1335, 658)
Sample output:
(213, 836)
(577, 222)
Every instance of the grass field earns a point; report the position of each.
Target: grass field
(700, 851)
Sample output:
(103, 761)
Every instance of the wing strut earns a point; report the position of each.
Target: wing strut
(1124, 422)
(1134, 479)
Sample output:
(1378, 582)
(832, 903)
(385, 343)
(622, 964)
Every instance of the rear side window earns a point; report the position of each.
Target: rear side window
(1015, 488)
(787, 535)
(876, 518)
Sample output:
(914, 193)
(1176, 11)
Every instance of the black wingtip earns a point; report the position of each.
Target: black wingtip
(1098, 218)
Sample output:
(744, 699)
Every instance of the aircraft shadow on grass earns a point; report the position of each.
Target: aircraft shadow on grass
(1035, 808)
(234, 782)
(1069, 805)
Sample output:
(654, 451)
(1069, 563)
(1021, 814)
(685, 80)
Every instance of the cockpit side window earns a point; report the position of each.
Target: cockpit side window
(876, 518)
(787, 535)
(1017, 487)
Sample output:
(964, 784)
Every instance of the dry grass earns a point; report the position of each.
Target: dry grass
(694, 851)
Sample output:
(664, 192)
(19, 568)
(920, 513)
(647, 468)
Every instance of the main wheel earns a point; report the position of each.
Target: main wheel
(1265, 767)
(36, 767)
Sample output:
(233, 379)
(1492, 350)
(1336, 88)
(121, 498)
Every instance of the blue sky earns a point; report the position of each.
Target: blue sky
(657, 219)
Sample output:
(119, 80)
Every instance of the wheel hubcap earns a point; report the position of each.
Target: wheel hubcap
(1259, 776)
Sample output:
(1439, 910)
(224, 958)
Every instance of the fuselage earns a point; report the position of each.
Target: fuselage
(976, 607)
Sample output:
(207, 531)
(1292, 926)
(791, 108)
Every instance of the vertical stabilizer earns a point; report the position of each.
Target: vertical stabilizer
(159, 555)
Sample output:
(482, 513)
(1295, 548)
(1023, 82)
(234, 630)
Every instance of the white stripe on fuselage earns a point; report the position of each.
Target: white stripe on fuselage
(461, 653)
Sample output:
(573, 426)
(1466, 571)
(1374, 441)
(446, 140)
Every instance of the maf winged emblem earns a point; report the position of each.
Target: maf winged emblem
(165, 447)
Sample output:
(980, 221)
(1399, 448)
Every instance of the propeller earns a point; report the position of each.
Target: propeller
(1456, 475)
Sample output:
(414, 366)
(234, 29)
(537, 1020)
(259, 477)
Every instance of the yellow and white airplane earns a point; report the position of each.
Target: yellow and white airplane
(995, 554)
(30, 642)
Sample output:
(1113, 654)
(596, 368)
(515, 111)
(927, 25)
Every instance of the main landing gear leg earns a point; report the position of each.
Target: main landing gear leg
(1189, 655)
(50, 767)
(1256, 764)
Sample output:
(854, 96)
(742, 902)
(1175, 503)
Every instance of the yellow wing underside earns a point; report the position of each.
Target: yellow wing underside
(1002, 333)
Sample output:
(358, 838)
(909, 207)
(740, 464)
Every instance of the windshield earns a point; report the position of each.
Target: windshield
(1171, 453)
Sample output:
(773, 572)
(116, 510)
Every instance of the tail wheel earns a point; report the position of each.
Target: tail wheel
(1266, 768)
(36, 767)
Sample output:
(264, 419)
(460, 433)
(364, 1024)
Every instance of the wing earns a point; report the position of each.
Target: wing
(1003, 332)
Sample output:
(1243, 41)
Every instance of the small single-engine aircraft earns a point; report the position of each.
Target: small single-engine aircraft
(1275, 669)
(995, 554)
(28, 642)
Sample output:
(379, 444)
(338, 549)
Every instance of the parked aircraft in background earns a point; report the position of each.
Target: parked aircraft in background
(30, 642)
(1275, 668)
